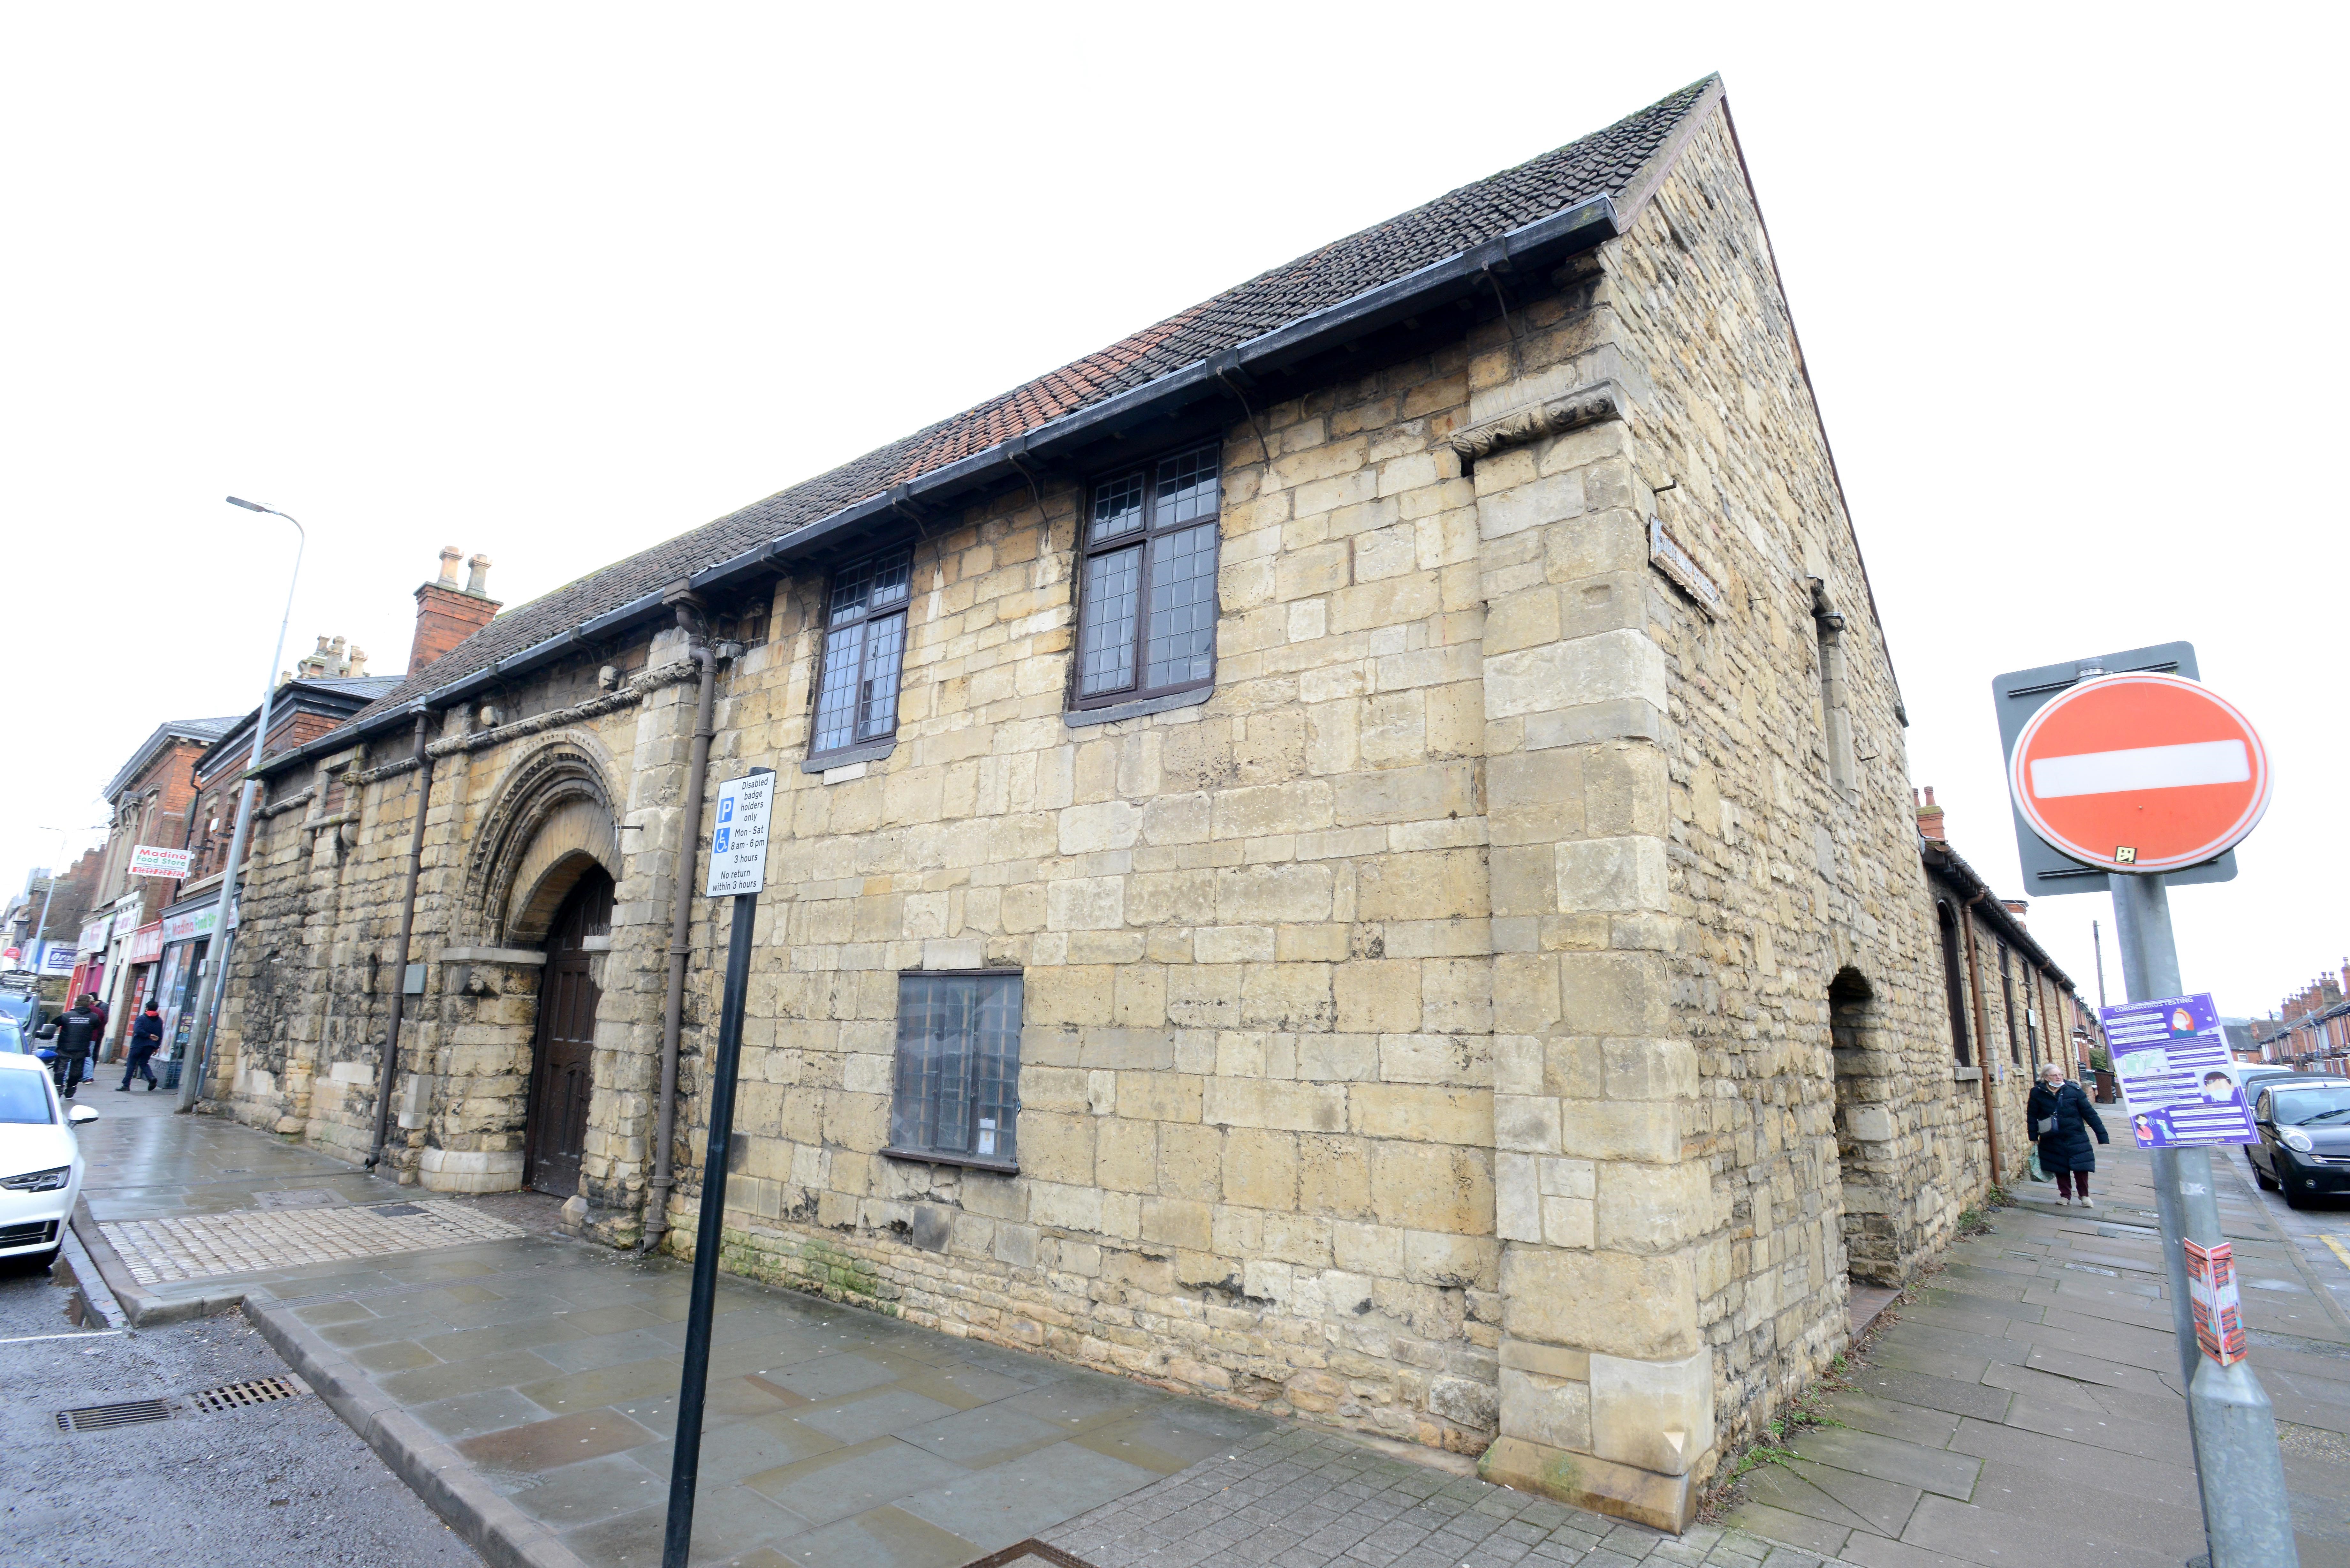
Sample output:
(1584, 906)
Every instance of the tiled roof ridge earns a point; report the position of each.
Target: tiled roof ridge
(1602, 162)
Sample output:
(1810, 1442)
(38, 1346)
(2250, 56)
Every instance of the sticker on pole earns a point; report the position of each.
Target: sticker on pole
(2218, 1305)
(2140, 774)
(738, 835)
(2172, 1061)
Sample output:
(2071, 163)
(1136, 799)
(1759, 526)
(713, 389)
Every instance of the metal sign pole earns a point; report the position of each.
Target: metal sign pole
(738, 864)
(2240, 1474)
(685, 1464)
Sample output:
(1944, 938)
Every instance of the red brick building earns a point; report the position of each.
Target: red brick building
(148, 799)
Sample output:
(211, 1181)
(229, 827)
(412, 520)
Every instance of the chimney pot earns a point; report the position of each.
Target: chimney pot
(1930, 817)
(477, 576)
(450, 556)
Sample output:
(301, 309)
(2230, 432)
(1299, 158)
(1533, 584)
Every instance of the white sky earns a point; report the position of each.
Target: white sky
(556, 281)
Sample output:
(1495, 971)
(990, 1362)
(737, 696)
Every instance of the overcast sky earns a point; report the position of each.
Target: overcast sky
(553, 283)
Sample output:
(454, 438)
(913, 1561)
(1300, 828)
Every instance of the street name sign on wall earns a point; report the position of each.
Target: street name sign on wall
(154, 860)
(2019, 694)
(2142, 773)
(738, 837)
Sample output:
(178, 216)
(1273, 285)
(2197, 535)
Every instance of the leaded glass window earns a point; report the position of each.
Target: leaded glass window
(958, 1069)
(864, 649)
(1147, 610)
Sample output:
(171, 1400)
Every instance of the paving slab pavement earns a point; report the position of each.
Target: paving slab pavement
(525, 1385)
(2025, 1405)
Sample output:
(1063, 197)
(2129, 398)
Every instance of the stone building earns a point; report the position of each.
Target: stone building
(2008, 1008)
(1349, 851)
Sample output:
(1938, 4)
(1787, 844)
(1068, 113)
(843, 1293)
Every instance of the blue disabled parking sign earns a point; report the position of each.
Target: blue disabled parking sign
(738, 840)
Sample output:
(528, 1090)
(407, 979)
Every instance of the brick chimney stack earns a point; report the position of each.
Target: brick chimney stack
(446, 615)
(1930, 816)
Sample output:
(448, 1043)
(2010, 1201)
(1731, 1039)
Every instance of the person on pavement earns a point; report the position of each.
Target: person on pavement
(146, 1039)
(99, 1013)
(2062, 1119)
(73, 1032)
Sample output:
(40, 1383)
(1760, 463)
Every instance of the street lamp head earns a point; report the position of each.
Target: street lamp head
(248, 506)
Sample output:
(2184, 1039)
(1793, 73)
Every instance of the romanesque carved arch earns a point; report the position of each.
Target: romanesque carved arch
(552, 820)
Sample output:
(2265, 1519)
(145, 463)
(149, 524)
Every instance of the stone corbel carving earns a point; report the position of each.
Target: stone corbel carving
(1553, 416)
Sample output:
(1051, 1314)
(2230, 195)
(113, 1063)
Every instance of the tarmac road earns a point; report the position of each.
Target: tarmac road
(285, 1482)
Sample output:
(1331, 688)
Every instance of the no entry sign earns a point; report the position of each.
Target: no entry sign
(2140, 774)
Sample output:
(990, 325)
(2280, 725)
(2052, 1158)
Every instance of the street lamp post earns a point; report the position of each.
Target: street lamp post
(192, 1072)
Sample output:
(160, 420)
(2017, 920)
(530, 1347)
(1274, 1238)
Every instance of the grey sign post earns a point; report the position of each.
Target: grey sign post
(2247, 1518)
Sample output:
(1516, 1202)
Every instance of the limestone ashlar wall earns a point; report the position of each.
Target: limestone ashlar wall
(303, 1018)
(1794, 873)
(554, 770)
(1256, 1126)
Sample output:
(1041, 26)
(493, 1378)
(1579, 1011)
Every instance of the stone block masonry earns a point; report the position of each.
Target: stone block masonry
(1475, 1022)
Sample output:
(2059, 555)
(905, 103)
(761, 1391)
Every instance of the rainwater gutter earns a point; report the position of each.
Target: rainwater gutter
(390, 1063)
(1543, 243)
(680, 945)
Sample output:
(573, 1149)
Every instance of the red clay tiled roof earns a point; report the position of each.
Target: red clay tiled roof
(1599, 164)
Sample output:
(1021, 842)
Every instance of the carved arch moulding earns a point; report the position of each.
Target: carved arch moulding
(552, 819)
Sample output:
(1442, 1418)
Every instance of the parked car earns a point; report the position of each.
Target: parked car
(40, 1160)
(21, 1008)
(2305, 1128)
(11, 1039)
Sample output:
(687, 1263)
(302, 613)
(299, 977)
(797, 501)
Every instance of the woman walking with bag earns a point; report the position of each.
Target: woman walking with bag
(2062, 1120)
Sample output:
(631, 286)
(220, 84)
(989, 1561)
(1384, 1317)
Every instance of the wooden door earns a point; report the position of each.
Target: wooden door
(562, 1075)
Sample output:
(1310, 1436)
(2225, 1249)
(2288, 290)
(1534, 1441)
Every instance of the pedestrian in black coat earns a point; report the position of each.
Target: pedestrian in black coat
(73, 1032)
(2062, 1120)
(146, 1037)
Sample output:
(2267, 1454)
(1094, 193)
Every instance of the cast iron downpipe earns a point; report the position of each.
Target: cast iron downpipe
(400, 954)
(681, 928)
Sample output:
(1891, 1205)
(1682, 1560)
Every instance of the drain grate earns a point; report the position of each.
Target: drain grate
(99, 1418)
(254, 1391)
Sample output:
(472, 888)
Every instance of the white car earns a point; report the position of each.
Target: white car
(40, 1160)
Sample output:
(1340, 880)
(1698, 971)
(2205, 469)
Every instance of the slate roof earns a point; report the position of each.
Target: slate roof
(1602, 163)
(342, 697)
(205, 730)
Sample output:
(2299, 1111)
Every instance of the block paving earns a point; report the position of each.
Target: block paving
(164, 1251)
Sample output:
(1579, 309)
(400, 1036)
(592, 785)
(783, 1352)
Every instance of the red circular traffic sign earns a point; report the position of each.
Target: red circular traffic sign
(2140, 774)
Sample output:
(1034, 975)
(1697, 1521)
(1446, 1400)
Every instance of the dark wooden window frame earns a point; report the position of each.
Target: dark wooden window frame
(1005, 1159)
(1141, 538)
(2007, 1000)
(838, 620)
(1954, 979)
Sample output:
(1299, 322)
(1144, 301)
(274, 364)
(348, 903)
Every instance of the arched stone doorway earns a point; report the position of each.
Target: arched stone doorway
(1865, 1087)
(563, 1048)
